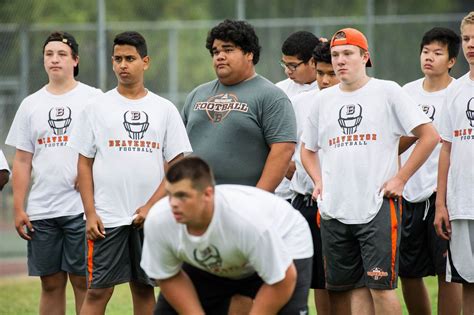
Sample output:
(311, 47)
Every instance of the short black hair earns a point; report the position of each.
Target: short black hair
(240, 33)
(134, 39)
(300, 45)
(193, 168)
(444, 36)
(322, 53)
(67, 39)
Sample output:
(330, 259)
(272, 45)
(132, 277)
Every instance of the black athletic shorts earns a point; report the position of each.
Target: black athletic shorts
(309, 209)
(216, 292)
(422, 252)
(57, 244)
(358, 255)
(116, 258)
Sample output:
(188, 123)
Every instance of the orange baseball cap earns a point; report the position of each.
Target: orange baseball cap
(351, 36)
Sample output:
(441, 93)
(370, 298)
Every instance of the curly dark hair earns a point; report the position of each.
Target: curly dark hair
(240, 33)
(300, 45)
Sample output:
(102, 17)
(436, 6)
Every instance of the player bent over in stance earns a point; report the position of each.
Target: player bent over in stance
(218, 241)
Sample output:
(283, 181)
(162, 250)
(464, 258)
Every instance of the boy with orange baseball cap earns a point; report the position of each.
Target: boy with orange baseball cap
(350, 147)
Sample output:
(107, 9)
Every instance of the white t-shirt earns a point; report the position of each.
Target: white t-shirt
(292, 89)
(457, 127)
(358, 134)
(42, 126)
(3, 162)
(301, 183)
(128, 139)
(423, 183)
(251, 231)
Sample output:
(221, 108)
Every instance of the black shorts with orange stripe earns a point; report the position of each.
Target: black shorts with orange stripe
(358, 255)
(116, 258)
(309, 209)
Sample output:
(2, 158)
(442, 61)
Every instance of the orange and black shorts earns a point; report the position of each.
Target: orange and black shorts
(116, 258)
(358, 255)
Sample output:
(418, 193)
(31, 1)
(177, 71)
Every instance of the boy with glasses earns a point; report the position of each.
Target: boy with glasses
(301, 185)
(299, 66)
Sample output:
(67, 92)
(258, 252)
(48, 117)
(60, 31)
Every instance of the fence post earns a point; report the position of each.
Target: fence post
(24, 61)
(101, 48)
(370, 11)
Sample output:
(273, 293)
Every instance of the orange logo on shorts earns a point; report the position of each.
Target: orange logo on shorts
(377, 273)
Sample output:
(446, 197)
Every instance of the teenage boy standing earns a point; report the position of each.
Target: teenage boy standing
(52, 223)
(454, 220)
(298, 62)
(301, 185)
(355, 130)
(126, 136)
(422, 252)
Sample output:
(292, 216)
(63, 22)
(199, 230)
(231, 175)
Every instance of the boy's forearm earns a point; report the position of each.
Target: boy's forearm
(86, 184)
(179, 291)
(310, 161)
(428, 139)
(271, 298)
(22, 165)
(443, 169)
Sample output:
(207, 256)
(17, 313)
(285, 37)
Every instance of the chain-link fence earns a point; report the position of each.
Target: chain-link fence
(180, 61)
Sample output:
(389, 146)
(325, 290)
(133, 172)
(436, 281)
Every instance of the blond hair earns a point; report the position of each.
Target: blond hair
(468, 19)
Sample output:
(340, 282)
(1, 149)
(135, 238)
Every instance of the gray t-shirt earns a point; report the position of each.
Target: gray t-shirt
(231, 127)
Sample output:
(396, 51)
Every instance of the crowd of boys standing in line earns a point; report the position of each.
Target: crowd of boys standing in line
(332, 132)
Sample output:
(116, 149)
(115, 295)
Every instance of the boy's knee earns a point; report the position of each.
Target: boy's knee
(54, 282)
(99, 294)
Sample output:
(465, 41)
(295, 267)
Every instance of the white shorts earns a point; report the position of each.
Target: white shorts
(461, 252)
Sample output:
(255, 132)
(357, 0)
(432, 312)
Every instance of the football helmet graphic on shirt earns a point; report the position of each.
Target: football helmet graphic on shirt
(209, 258)
(59, 119)
(136, 124)
(350, 117)
(429, 110)
(470, 111)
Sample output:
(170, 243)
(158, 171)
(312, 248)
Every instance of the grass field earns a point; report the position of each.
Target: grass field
(20, 296)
